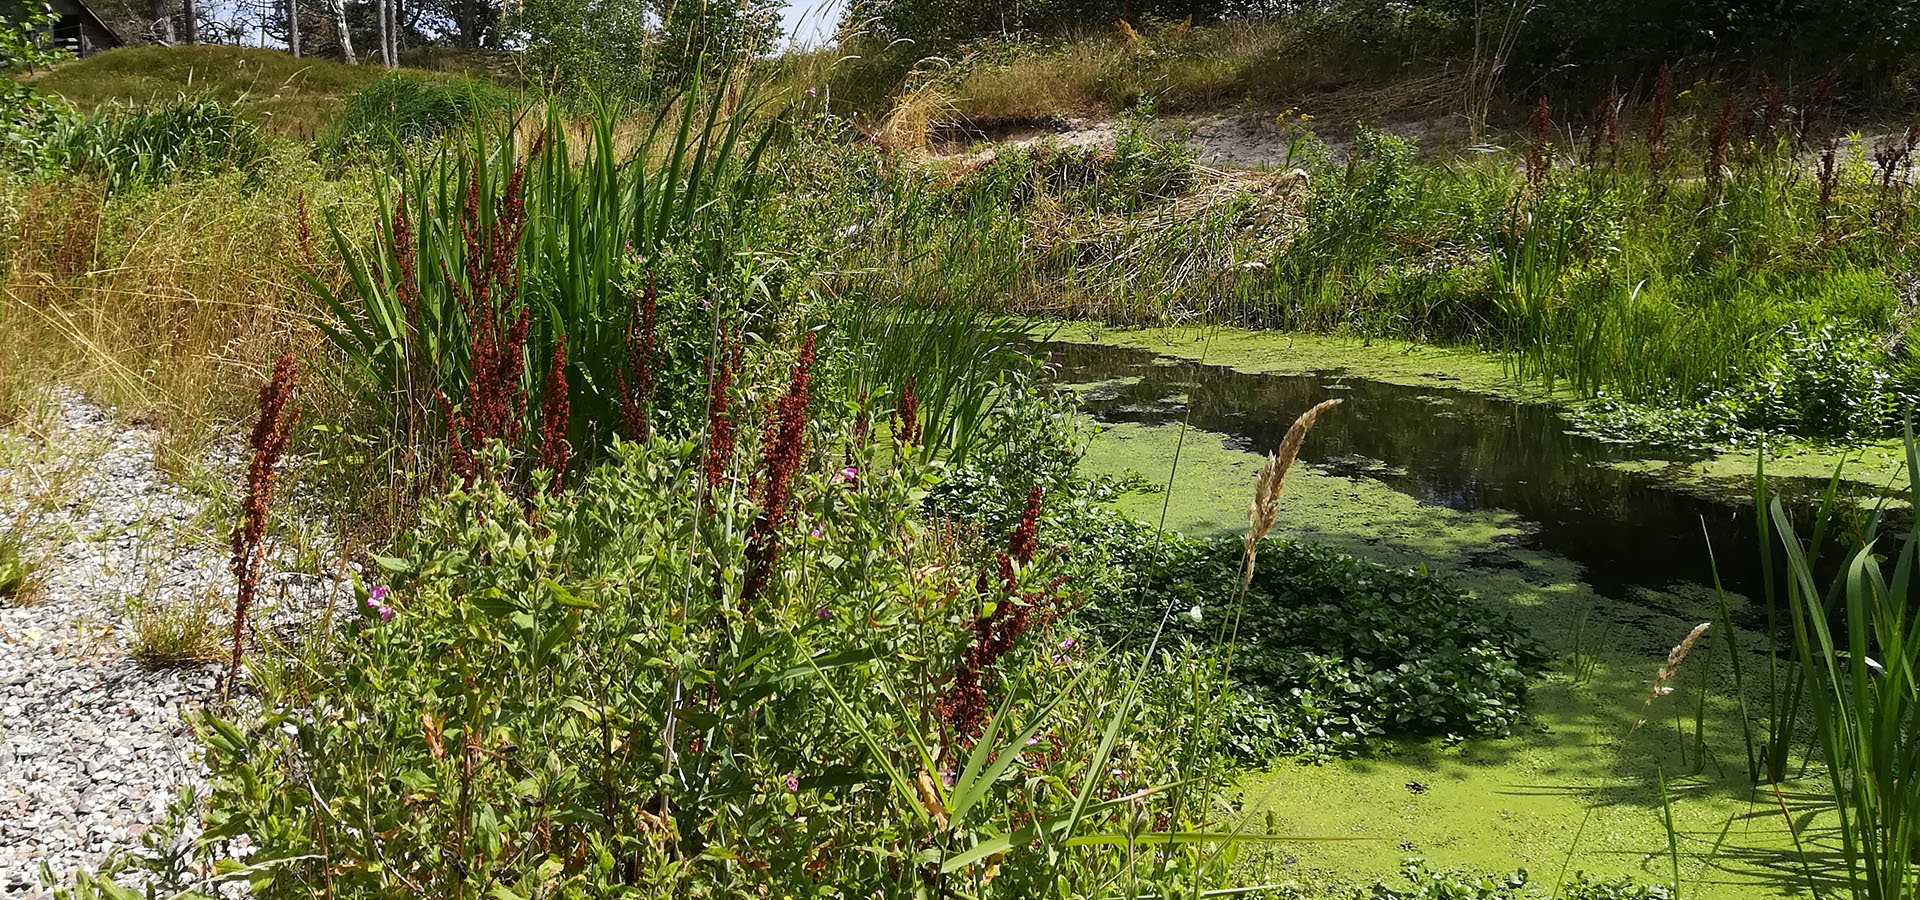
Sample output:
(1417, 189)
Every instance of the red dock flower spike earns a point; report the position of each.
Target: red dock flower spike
(785, 446)
(553, 430)
(720, 426)
(636, 377)
(269, 439)
(906, 416)
(995, 633)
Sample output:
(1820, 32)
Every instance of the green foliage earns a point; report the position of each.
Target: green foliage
(29, 123)
(573, 700)
(1333, 654)
(23, 38)
(1825, 384)
(1858, 640)
(713, 38)
(670, 205)
(402, 110)
(180, 140)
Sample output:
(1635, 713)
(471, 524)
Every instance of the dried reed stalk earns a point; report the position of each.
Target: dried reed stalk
(1675, 657)
(1265, 508)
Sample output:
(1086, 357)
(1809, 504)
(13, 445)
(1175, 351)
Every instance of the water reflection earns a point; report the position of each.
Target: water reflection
(1461, 450)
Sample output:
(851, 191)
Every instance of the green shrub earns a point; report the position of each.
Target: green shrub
(29, 120)
(570, 696)
(402, 109)
(180, 140)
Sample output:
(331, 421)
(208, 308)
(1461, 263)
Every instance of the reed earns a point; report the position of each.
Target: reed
(1862, 674)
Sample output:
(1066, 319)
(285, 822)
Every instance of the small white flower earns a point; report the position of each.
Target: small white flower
(1194, 613)
(1662, 691)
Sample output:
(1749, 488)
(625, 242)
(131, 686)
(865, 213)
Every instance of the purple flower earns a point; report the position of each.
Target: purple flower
(824, 613)
(1067, 644)
(849, 475)
(816, 531)
(793, 783)
(382, 610)
(379, 596)
(813, 92)
(386, 613)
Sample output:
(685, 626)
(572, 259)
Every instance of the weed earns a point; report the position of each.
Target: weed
(184, 630)
(183, 139)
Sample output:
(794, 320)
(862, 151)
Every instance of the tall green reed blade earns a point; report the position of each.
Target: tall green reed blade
(1865, 698)
(587, 209)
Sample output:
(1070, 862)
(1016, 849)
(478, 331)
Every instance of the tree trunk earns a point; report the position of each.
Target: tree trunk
(190, 22)
(293, 27)
(161, 11)
(340, 25)
(386, 32)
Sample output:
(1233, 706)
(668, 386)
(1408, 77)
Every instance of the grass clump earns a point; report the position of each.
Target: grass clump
(17, 570)
(402, 109)
(178, 140)
(181, 631)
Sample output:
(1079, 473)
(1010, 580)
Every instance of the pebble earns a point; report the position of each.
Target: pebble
(94, 746)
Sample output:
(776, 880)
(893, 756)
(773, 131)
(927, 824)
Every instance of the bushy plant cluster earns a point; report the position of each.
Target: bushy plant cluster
(578, 694)
(1150, 162)
(402, 110)
(182, 139)
(1827, 383)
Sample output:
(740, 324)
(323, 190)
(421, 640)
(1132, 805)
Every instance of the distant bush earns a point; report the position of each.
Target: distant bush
(177, 140)
(403, 109)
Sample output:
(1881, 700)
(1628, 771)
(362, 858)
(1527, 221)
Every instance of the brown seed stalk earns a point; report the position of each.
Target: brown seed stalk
(1265, 508)
(269, 440)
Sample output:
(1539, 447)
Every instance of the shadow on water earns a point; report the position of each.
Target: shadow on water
(1465, 451)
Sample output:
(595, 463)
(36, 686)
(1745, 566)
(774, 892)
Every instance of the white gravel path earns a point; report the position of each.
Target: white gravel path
(94, 746)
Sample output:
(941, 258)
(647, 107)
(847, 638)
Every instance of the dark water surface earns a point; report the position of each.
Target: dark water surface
(1465, 451)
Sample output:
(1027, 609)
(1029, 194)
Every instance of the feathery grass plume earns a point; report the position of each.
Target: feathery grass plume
(720, 425)
(1265, 508)
(785, 445)
(1675, 657)
(553, 429)
(636, 377)
(1718, 140)
(269, 440)
(1540, 154)
(1657, 122)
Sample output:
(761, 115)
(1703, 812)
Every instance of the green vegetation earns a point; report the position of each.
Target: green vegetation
(404, 109)
(730, 542)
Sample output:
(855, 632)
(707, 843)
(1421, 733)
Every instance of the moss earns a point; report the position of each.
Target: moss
(1578, 789)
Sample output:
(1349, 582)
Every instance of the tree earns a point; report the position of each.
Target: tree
(593, 47)
(720, 32)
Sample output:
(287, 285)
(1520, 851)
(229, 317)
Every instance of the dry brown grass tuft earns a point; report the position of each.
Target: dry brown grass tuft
(909, 127)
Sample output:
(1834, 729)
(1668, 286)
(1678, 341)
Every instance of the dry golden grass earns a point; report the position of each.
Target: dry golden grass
(1265, 508)
(168, 305)
(1675, 657)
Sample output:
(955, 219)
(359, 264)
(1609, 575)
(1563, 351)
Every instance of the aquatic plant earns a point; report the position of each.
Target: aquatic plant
(273, 422)
(1858, 641)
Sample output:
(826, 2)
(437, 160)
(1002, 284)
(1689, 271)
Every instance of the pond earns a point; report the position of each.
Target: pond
(1627, 527)
(1599, 549)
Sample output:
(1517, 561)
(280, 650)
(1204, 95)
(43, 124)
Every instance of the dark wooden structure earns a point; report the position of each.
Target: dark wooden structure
(76, 27)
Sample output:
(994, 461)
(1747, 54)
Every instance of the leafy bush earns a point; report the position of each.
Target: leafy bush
(403, 109)
(1826, 383)
(174, 141)
(577, 697)
(29, 120)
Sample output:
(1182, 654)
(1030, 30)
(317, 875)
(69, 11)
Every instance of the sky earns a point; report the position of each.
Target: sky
(810, 22)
